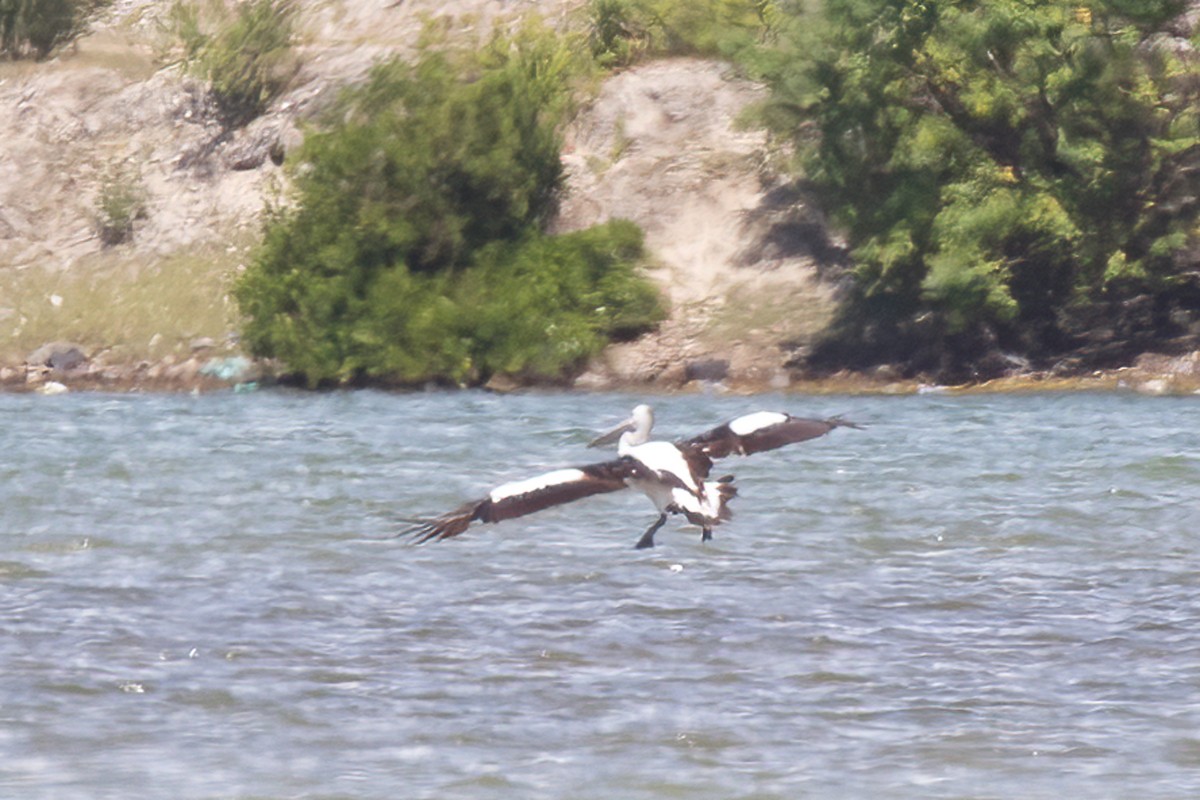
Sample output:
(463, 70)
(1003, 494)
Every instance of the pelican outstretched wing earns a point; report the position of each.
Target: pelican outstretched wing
(518, 498)
(762, 430)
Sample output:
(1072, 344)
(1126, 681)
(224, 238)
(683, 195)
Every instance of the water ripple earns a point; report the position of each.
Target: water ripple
(985, 597)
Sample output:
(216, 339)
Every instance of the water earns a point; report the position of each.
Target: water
(984, 597)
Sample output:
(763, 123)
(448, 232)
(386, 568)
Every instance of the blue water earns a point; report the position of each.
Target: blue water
(983, 597)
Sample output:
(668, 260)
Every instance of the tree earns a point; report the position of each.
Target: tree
(1001, 169)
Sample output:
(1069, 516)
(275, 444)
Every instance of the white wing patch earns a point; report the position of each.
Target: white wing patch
(665, 457)
(537, 483)
(744, 426)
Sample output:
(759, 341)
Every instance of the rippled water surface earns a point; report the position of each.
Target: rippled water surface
(974, 597)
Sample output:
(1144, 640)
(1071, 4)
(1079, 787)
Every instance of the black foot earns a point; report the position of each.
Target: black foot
(706, 535)
(647, 539)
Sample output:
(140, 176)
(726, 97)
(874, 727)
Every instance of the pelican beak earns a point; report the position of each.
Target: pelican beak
(613, 435)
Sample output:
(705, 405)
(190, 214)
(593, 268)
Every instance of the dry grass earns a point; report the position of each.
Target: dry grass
(128, 310)
(771, 313)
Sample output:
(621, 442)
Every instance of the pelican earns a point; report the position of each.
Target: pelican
(673, 475)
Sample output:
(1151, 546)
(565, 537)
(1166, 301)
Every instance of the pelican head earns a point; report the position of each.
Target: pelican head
(631, 432)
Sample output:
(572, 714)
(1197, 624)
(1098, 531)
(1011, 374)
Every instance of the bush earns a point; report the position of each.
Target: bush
(535, 309)
(621, 32)
(35, 27)
(615, 35)
(414, 252)
(121, 202)
(245, 53)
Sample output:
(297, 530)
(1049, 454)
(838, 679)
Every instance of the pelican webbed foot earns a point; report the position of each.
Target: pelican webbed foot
(647, 539)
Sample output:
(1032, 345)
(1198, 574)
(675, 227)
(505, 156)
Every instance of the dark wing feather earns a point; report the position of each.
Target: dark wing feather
(699, 464)
(722, 440)
(447, 525)
(525, 497)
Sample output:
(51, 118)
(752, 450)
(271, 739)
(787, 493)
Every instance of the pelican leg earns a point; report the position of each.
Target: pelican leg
(705, 534)
(647, 539)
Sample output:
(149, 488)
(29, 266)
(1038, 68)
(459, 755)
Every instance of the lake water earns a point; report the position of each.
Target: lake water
(975, 597)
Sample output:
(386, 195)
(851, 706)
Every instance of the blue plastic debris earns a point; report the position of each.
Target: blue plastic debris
(232, 368)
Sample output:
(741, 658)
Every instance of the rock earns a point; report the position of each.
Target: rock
(888, 373)
(52, 387)
(1067, 366)
(1155, 386)
(501, 384)
(593, 380)
(60, 356)
(203, 343)
(673, 375)
(183, 373)
(706, 369)
(246, 155)
(254, 147)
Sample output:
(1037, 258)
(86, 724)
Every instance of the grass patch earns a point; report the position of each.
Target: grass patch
(133, 310)
(752, 313)
(121, 203)
(244, 52)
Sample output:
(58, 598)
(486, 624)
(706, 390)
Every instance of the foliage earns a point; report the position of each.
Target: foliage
(245, 53)
(414, 252)
(999, 168)
(535, 308)
(614, 35)
(35, 27)
(620, 32)
(120, 203)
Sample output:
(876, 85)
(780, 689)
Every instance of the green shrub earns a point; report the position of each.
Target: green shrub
(536, 308)
(543, 305)
(615, 35)
(245, 53)
(35, 27)
(121, 202)
(413, 251)
(621, 32)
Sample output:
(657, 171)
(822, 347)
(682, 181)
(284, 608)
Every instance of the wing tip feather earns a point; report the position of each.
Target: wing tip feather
(840, 421)
(441, 527)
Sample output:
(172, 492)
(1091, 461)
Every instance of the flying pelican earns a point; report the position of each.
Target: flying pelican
(673, 475)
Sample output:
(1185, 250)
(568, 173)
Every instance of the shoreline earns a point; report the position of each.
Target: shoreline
(1150, 374)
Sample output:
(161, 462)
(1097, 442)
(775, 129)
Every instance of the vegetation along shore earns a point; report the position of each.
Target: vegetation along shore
(848, 195)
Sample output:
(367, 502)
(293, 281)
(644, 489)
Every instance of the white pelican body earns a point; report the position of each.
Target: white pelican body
(675, 483)
(673, 475)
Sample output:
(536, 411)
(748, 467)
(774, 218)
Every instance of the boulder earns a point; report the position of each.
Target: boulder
(59, 356)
